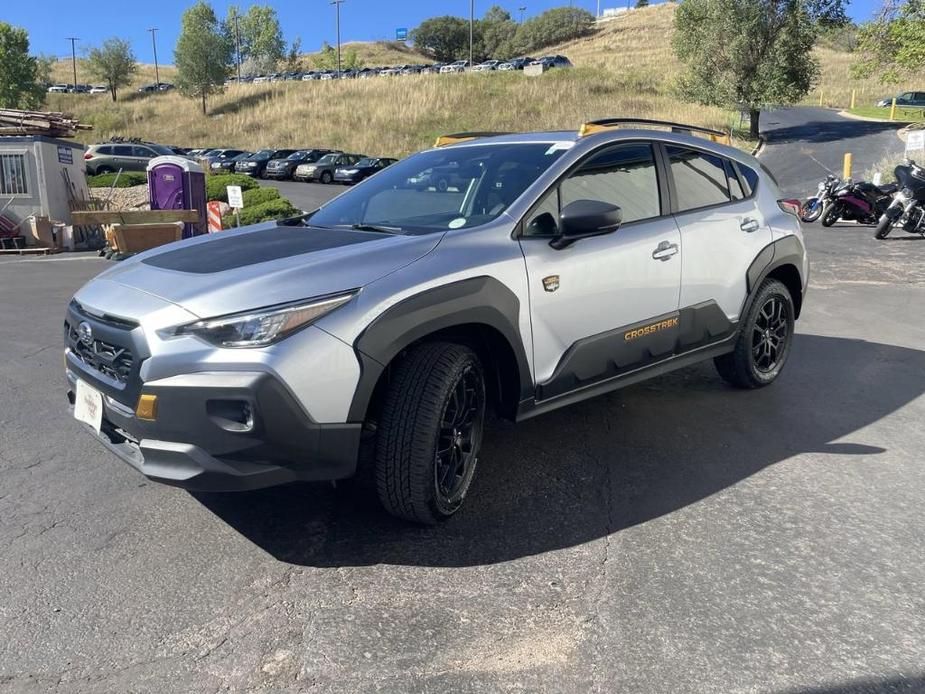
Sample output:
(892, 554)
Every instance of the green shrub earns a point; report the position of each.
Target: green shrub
(258, 196)
(216, 185)
(126, 180)
(274, 209)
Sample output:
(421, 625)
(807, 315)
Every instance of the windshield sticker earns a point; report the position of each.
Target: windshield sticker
(559, 146)
(457, 223)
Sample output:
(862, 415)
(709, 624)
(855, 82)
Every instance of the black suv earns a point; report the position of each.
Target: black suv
(256, 164)
(283, 169)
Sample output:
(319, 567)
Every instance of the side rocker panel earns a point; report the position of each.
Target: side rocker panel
(479, 300)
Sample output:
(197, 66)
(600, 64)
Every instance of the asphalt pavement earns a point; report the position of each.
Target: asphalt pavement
(306, 196)
(676, 536)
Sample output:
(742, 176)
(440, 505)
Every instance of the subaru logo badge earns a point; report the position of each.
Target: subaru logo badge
(85, 334)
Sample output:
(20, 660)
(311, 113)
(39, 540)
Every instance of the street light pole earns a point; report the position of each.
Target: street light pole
(522, 9)
(337, 4)
(157, 74)
(237, 43)
(471, 30)
(74, 40)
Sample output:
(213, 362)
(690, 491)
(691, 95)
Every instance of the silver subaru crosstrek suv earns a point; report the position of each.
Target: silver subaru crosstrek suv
(375, 333)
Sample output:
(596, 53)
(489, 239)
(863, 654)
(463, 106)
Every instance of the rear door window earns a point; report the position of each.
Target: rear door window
(142, 152)
(700, 179)
(122, 151)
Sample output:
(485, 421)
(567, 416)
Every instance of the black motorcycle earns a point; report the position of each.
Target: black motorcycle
(907, 210)
(859, 201)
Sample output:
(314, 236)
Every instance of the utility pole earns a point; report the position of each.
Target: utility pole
(74, 40)
(471, 31)
(237, 43)
(598, 9)
(337, 4)
(523, 9)
(157, 74)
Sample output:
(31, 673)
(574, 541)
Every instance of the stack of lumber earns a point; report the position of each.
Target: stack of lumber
(14, 122)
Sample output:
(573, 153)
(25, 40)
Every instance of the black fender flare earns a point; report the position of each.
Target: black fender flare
(785, 251)
(478, 300)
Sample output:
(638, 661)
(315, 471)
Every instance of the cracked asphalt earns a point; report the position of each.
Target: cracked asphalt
(676, 536)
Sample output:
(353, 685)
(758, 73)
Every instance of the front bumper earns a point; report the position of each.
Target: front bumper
(280, 174)
(201, 442)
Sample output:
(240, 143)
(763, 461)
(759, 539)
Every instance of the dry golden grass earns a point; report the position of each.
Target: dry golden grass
(377, 53)
(625, 68)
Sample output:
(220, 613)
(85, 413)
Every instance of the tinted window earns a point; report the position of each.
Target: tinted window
(699, 178)
(624, 176)
(142, 152)
(122, 151)
(735, 187)
(104, 150)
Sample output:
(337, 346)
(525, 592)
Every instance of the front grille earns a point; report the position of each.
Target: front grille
(112, 361)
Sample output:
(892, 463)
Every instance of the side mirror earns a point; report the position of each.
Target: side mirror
(583, 219)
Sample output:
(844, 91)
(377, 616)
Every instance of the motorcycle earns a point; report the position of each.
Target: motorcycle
(859, 201)
(812, 209)
(907, 209)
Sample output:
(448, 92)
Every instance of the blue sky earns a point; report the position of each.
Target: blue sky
(49, 22)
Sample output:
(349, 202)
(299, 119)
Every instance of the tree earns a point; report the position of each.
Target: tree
(203, 53)
(749, 54)
(552, 27)
(497, 31)
(893, 44)
(112, 63)
(443, 38)
(259, 32)
(19, 78)
(327, 59)
(294, 56)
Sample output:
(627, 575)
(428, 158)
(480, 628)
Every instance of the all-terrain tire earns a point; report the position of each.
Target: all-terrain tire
(884, 227)
(418, 405)
(747, 366)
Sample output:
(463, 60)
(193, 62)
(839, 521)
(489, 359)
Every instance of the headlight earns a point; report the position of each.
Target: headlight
(263, 327)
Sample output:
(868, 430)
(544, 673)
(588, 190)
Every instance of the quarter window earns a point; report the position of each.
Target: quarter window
(13, 174)
(735, 186)
(699, 178)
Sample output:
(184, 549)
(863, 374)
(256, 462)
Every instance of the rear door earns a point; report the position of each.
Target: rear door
(722, 231)
(608, 304)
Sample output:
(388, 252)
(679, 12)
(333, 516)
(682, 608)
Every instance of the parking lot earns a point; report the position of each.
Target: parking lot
(675, 536)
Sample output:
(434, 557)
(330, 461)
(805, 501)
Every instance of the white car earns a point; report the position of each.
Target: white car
(487, 66)
(57, 89)
(458, 66)
(99, 89)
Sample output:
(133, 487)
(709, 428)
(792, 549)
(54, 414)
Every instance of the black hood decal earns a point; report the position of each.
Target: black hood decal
(241, 250)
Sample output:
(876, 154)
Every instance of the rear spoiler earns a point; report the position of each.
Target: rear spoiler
(605, 124)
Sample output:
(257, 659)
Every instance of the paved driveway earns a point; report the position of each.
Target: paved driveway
(677, 536)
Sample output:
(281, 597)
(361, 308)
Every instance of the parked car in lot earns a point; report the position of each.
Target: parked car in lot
(155, 87)
(364, 168)
(432, 69)
(323, 169)
(228, 165)
(388, 324)
(283, 169)
(914, 99)
(553, 61)
(108, 157)
(99, 89)
(256, 164)
(220, 155)
(458, 66)
(487, 66)
(516, 64)
(58, 89)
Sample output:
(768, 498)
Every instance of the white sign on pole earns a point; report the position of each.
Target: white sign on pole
(235, 197)
(915, 141)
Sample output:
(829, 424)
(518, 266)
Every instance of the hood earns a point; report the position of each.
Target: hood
(266, 265)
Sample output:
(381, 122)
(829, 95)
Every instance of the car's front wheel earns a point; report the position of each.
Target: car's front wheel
(764, 339)
(430, 432)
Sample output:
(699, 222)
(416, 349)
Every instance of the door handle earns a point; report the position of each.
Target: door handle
(664, 251)
(749, 225)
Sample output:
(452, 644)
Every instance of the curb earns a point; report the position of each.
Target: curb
(898, 123)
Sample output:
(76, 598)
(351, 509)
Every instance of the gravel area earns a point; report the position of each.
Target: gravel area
(134, 198)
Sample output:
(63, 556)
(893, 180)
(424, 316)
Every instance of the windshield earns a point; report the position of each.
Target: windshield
(262, 154)
(242, 156)
(328, 159)
(161, 149)
(295, 156)
(365, 162)
(442, 189)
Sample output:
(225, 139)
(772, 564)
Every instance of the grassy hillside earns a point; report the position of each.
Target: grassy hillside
(625, 68)
(62, 73)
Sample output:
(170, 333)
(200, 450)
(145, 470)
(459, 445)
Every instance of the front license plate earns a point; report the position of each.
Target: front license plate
(88, 405)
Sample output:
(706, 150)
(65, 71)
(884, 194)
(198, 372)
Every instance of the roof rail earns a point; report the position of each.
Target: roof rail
(445, 140)
(597, 126)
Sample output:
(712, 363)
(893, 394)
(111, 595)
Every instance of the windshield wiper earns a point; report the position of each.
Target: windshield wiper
(373, 227)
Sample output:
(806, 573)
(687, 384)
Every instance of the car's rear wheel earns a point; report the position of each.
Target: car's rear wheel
(104, 170)
(326, 177)
(764, 339)
(430, 432)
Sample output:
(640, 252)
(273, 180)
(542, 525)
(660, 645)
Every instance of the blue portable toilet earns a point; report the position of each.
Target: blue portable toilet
(178, 183)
